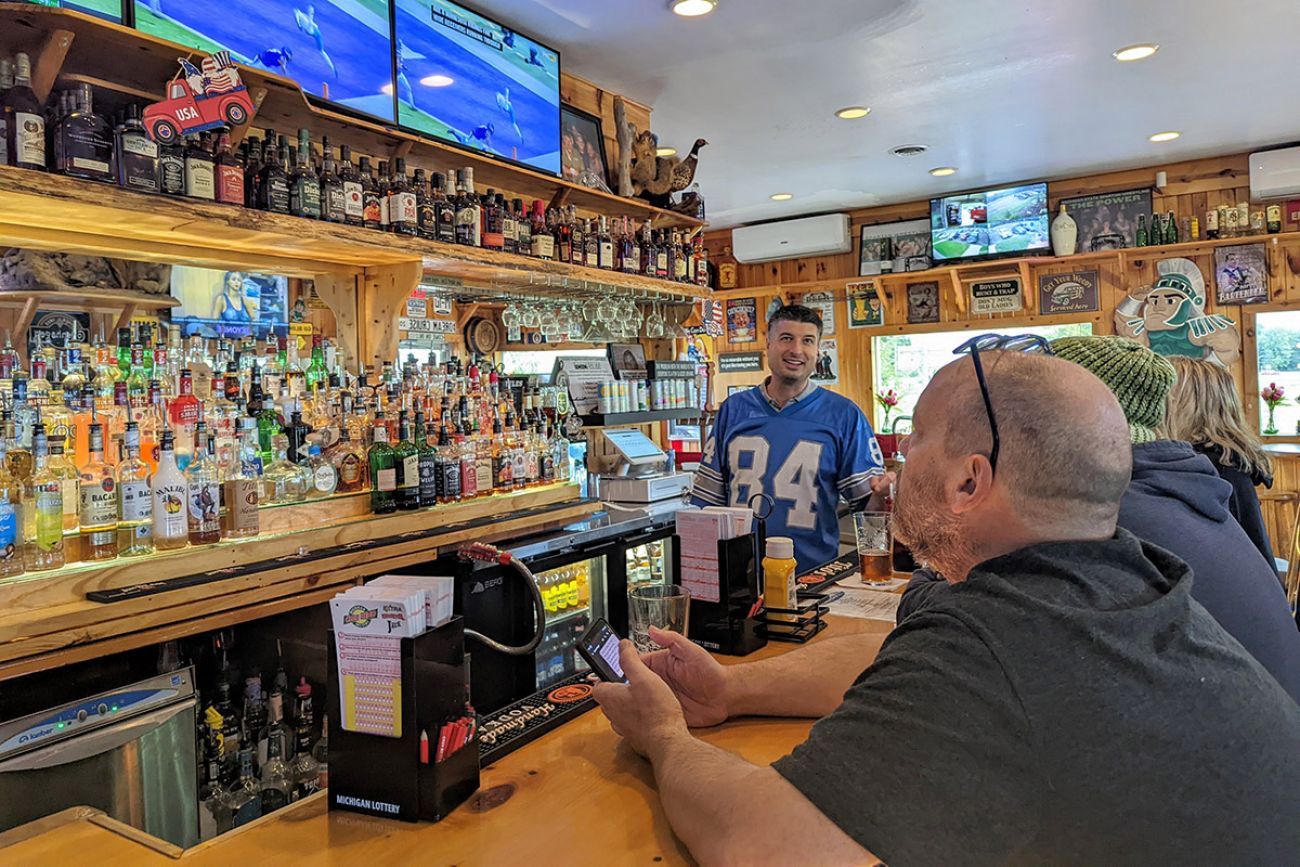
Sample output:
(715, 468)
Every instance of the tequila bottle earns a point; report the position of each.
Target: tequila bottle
(350, 462)
(135, 499)
(320, 472)
(98, 497)
(42, 510)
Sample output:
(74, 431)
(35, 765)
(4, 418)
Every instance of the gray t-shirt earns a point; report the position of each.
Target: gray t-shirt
(1067, 704)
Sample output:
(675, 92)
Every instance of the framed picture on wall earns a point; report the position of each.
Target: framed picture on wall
(905, 244)
(923, 302)
(1108, 221)
(1241, 274)
(582, 149)
(628, 360)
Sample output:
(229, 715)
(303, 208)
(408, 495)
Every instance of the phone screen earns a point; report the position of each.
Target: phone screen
(599, 646)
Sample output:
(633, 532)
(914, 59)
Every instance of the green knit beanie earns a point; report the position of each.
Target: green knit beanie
(1140, 378)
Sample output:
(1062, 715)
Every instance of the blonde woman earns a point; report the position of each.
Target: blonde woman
(1205, 410)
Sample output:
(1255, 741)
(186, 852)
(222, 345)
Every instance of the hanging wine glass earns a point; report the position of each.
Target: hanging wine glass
(531, 316)
(654, 324)
(510, 317)
(550, 325)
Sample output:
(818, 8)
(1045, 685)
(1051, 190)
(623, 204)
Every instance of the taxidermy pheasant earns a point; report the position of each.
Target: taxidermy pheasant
(655, 178)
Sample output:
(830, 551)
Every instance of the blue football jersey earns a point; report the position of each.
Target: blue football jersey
(805, 456)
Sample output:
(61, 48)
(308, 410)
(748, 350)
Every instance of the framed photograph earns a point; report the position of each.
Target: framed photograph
(582, 149)
(906, 243)
(741, 324)
(824, 304)
(1108, 221)
(628, 360)
(1072, 292)
(1241, 274)
(923, 302)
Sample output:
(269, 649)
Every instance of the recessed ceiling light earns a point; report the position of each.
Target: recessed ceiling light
(437, 80)
(1140, 51)
(1168, 135)
(781, 197)
(665, 152)
(853, 112)
(692, 8)
(943, 171)
(908, 150)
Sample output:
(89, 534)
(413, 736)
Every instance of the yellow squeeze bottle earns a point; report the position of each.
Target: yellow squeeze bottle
(779, 589)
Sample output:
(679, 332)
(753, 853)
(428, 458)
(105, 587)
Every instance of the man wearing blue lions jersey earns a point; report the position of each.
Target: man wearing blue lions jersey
(804, 447)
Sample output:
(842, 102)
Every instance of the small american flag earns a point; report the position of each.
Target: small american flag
(713, 318)
(219, 74)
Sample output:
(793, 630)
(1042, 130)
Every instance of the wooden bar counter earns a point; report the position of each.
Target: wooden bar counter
(577, 795)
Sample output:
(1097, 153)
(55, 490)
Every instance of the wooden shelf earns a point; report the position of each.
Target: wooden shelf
(123, 302)
(69, 47)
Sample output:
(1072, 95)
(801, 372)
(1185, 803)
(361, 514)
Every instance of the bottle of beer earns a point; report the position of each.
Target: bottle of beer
(1171, 229)
(1141, 239)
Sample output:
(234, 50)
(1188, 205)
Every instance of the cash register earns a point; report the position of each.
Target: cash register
(641, 471)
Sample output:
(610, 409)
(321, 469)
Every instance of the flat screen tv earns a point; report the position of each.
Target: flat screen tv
(109, 10)
(229, 303)
(339, 50)
(471, 81)
(1007, 221)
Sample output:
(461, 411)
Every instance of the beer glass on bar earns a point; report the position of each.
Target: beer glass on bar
(664, 606)
(875, 545)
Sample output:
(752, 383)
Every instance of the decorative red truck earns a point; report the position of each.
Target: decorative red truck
(202, 99)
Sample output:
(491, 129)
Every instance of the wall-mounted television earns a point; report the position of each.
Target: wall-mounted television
(339, 50)
(109, 10)
(471, 81)
(1007, 221)
(229, 303)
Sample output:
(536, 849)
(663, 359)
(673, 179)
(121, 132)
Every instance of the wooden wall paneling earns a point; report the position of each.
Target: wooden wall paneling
(588, 97)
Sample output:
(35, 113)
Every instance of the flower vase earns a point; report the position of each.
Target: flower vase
(1270, 429)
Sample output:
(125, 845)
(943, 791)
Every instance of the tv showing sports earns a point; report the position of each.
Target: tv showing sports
(229, 303)
(471, 81)
(990, 223)
(339, 50)
(109, 10)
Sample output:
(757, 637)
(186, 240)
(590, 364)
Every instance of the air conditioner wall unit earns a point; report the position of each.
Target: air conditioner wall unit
(1275, 174)
(791, 239)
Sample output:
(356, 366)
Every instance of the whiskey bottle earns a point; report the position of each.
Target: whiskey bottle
(6, 82)
(426, 220)
(304, 194)
(137, 154)
(371, 209)
(604, 247)
(200, 168)
(334, 205)
(444, 211)
(99, 509)
(403, 213)
(354, 208)
(25, 124)
(229, 173)
(467, 227)
(543, 240)
(252, 171)
(85, 141)
(383, 186)
(272, 183)
(383, 473)
(523, 229)
(493, 237)
(406, 461)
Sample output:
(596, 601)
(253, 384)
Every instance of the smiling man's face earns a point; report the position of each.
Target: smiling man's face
(791, 350)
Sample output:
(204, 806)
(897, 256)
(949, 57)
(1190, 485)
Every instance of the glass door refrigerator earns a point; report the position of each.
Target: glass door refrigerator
(646, 557)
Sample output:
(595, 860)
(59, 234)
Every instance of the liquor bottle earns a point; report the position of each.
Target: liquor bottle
(629, 249)
(406, 461)
(583, 253)
(649, 253)
(135, 500)
(84, 141)
(543, 239)
(25, 124)
(171, 168)
(42, 510)
(320, 473)
(444, 211)
(61, 465)
(426, 218)
(354, 205)
(371, 210)
(244, 799)
(6, 82)
(304, 770)
(252, 171)
(403, 203)
(467, 454)
(185, 414)
(272, 183)
(664, 258)
(200, 168)
(383, 186)
(468, 230)
(241, 486)
(11, 497)
(1141, 240)
(701, 262)
(523, 230)
(1212, 224)
(349, 460)
(316, 375)
(295, 432)
(447, 469)
(229, 173)
(295, 378)
(427, 459)
(333, 198)
(204, 483)
(320, 752)
(1171, 229)
(560, 456)
(137, 154)
(383, 472)
(490, 217)
(604, 247)
(304, 190)
(98, 499)
(276, 785)
(283, 481)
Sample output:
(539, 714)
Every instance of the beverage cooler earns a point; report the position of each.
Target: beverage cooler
(583, 572)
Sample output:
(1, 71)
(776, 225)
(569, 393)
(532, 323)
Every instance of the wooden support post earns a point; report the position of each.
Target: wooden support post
(561, 196)
(49, 61)
(340, 294)
(124, 318)
(402, 148)
(383, 295)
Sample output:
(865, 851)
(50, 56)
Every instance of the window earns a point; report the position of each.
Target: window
(541, 361)
(906, 362)
(1277, 354)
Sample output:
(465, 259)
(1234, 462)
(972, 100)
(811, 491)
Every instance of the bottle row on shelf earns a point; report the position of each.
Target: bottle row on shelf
(267, 173)
(132, 459)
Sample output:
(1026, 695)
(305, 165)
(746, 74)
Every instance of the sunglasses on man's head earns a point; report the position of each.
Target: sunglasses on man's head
(1004, 343)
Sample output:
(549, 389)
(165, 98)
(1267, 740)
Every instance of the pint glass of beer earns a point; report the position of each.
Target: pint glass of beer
(875, 545)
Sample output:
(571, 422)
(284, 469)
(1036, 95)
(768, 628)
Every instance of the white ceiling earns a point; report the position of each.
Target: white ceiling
(1005, 91)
